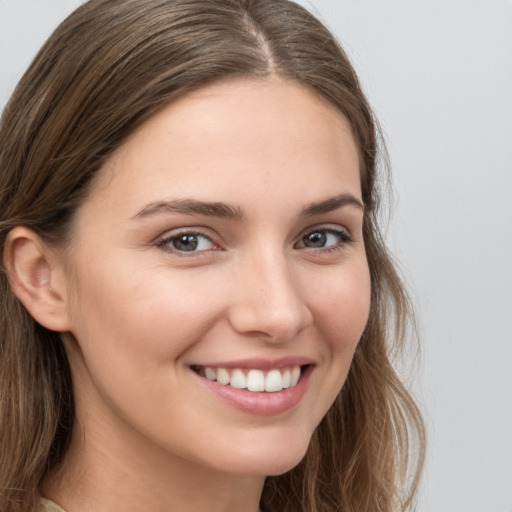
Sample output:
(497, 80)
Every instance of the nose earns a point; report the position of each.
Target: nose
(268, 302)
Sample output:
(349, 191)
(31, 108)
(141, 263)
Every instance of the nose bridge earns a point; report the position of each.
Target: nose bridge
(270, 302)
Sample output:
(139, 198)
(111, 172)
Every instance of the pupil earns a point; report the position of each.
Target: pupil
(317, 239)
(186, 243)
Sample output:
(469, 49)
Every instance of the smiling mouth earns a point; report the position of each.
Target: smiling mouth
(271, 381)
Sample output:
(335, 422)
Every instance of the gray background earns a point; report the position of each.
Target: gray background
(439, 75)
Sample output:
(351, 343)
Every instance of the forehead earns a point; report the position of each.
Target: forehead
(228, 136)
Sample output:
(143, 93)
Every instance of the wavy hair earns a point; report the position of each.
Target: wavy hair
(107, 69)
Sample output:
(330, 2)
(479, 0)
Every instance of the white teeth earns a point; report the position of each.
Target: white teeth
(295, 376)
(287, 379)
(273, 381)
(210, 373)
(255, 380)
(238, 379)
(222, 376)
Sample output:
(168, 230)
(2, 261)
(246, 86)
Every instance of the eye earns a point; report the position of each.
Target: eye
(324, 238)
(187, 242)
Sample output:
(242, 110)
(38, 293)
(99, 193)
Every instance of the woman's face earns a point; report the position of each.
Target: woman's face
(221, 243)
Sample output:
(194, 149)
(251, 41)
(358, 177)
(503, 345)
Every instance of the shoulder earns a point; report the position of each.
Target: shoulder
(49, 506)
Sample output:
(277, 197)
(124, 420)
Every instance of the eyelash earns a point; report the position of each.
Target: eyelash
(165, 243)
(343, 235)
(344, 239)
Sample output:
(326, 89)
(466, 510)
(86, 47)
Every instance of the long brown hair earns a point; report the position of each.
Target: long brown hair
(108, 68)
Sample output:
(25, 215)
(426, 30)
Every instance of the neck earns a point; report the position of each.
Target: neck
(125, 473)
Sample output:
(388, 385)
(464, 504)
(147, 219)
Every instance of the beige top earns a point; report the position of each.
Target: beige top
(49, 506)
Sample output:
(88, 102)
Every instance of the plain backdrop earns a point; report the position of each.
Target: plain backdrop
(439, 75)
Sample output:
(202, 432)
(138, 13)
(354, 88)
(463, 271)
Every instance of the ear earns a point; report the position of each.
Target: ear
(37, 278)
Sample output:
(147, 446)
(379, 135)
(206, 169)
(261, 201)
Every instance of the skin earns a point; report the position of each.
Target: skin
(139, 313)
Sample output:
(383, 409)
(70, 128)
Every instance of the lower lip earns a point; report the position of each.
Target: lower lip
(260, 403)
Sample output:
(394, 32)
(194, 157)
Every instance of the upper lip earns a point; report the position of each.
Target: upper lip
(259, 363)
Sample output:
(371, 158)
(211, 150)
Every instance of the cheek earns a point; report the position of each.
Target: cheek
(134, 311)
(342, 307)
(340, 304)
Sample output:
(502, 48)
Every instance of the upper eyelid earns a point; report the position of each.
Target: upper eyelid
(163, 240)
(334, 228)
(172, 233)
(338, 230)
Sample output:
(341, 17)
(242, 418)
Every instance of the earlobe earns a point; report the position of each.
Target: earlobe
(36, 278)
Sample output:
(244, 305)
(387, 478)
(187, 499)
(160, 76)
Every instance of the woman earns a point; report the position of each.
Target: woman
(197, 305)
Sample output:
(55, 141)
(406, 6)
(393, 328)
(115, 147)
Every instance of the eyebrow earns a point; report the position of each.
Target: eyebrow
(191, 207)
(333, 203)
(227, 211)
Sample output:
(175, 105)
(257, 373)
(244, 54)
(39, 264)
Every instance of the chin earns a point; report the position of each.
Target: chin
(269, 467)
(272, 458)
